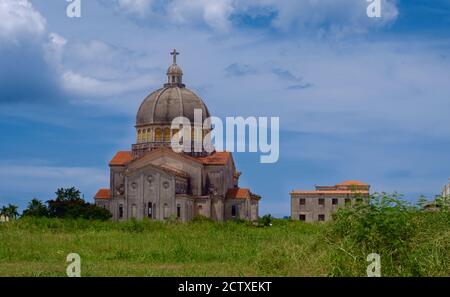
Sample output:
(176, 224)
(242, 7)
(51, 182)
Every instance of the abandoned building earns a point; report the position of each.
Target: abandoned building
(321, 203)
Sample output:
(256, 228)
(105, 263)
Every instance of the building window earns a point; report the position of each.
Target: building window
(150, 210)
(158, 134)
(133, 211)
(302, 201)
(347, 201)
(120, 211)
(178, 211)
(321, 201)
(302, 217)
(233, 210)
(139, 136)
(334, 201)
(167, 135)
(321, 217)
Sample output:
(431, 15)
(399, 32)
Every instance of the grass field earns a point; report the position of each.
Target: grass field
(38, 247)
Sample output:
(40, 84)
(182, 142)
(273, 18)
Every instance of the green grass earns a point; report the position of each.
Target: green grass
(38, 247)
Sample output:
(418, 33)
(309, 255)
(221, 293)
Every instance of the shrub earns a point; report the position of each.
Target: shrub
(389, 226)
(266, 220)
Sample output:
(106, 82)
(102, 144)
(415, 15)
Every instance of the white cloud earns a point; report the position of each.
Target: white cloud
(339, 16)
(323, 16)
(214, 13)
(90, 86)
(18, 17)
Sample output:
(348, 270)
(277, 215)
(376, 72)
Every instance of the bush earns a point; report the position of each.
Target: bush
(266, 220)
(389, 226)
(67, 204)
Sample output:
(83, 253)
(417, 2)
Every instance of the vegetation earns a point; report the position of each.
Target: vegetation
(9, 211)
(67, 204)
(410, 240)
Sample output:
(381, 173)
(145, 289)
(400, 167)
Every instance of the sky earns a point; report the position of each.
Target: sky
(358, 98)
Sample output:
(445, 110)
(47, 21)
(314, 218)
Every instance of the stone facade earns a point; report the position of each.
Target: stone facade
(321, 203)
(153, 181)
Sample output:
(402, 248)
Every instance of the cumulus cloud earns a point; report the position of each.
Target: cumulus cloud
(91, 86)
(339, 17)
(325, 15)
(18, 17)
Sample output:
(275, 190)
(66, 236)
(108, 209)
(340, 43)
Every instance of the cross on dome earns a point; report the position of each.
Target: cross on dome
(174, 54)
(174, 73)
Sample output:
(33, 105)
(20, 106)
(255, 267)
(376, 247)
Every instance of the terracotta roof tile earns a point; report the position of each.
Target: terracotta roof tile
(217, 158)
(121, 158)
(352, 183)
(238, 193)
(103, 194)
(329, 192)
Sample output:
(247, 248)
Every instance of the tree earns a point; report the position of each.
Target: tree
(11, 211)
(35, 209)
(69, 204)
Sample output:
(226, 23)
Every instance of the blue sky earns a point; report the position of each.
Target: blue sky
(358, 98)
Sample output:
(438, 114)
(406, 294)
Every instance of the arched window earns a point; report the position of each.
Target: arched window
(139, 136)
(158, 134)
(166, 134)
(149, 135)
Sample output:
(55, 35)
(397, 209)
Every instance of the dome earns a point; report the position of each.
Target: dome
(172, 101)
(165, 104)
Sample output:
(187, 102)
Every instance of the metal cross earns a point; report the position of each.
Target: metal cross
(174, 54)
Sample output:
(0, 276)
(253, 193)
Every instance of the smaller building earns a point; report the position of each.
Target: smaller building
(321, 203)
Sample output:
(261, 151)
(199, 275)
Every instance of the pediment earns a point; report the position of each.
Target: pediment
(167, 157)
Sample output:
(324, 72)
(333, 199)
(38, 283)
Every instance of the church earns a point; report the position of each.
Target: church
(153, 181)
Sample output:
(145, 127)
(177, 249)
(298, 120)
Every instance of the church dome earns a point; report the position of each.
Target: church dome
(172, 101)
(165, 104)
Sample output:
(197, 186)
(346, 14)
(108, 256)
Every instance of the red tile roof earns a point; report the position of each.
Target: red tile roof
(329, 192)
(238, 193)
(352, 183)
(217, 158)
(103, 194)
(121, 158)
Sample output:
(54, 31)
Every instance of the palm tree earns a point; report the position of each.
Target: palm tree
(4, 213)
(12, 211)
(35, 208)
